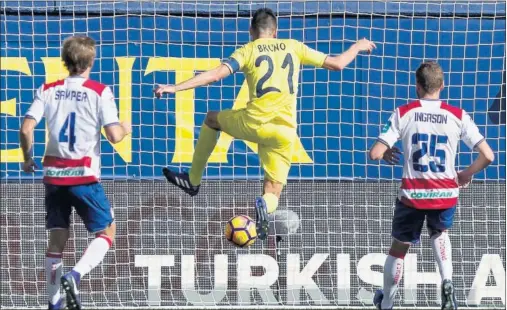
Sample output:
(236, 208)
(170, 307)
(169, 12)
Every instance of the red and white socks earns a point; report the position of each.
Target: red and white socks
(54, 269)
(93, 255)
(393, 267)
(442, 251)
(393, 272)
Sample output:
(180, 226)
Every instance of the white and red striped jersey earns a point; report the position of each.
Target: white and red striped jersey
(75, 110)
(430, 131)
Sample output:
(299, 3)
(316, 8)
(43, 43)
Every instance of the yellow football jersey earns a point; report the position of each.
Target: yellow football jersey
(271, 67)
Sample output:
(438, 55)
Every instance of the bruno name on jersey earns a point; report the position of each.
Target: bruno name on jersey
(276, 47)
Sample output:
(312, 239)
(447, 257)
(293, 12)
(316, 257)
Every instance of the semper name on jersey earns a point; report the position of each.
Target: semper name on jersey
(70, 95)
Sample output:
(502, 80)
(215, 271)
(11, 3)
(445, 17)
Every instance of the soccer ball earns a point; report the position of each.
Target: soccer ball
(241, 231)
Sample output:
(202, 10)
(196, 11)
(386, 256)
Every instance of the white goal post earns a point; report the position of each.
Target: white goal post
(170, 251)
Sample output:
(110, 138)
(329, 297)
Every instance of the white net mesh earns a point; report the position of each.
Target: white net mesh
(344, 202)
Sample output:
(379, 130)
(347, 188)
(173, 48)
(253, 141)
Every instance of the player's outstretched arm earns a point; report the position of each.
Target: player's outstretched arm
(26, 141)
(485, 158)
(205, 78)
(341, 61)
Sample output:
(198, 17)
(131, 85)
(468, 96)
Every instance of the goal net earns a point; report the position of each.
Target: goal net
(170, 251)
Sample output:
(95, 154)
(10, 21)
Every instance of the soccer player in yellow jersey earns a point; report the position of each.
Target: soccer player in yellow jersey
(271, 67)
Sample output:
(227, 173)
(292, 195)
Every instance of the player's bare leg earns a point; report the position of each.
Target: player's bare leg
(265, 205)
(208, 137)
(54, 267)
(91, 258)
(393, 272)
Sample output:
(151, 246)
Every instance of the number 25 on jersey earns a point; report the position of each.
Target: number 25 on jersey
(429, 147)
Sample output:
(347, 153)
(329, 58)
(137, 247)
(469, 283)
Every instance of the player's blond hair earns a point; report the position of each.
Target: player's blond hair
(78, 53)
(430, 77)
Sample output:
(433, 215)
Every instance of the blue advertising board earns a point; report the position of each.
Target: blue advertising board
(340, 113)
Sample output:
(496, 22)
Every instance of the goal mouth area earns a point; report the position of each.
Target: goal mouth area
(343, 232)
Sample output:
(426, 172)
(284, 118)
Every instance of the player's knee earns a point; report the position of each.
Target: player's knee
(434, 234)
(57, 240)
(211, 120)
(110, 231)
(399, 249)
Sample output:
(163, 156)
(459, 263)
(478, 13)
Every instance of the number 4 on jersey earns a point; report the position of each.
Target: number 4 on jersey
(432, 152)
(69, 126)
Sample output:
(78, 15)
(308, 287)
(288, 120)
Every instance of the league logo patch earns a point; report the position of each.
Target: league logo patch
(386, 127)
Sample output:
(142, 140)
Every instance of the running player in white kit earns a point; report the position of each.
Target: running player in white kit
(75, 108)
(430, 131)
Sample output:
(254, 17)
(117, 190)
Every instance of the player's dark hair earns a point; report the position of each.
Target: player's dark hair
(430, 77)
(78, 53)
(264, 20)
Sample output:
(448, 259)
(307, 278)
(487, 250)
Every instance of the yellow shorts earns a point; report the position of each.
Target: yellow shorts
(276, 142)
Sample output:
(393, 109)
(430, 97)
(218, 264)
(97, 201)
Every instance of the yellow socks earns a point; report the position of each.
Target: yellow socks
(205, 144)
(271, 202)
